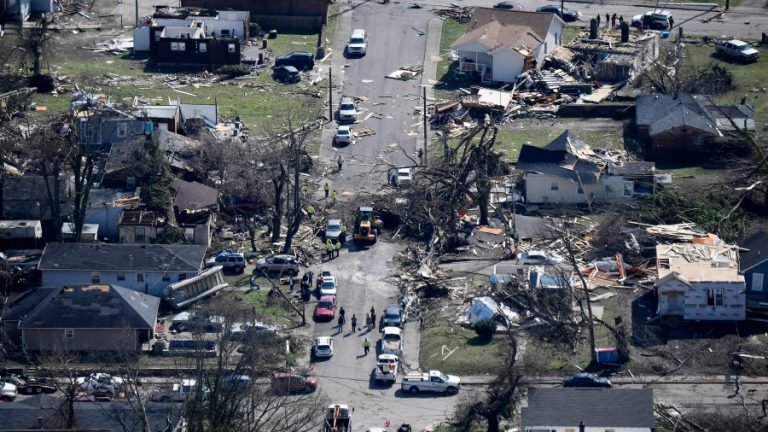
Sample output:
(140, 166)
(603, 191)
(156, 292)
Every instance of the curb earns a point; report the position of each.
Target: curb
(429, 69)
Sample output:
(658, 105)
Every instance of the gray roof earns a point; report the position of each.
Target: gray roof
(661, 113)
(122, 257)
(94, 307)
(193, 195)
(92, 417)
(560, 158)
(757, 252)
(633, 169)
(28, 302)
(596, 407)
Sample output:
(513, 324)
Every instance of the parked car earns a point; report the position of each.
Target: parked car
(508, 6)
(325, 308)
(286, 74)
(736, 50)
(332, 229)
(347, 110)
(654, 20)
(237, 381)
(586, 380)
(301, 60)
(8, 391)
(392, 341)
(322, 347)
(568, 15)
(343, 135)
(328, 287)
(322, 275)
(230, 260)
(432, 381)
(539, 257)
(386, 369)
(404, 178)
(358, 43)
(196, 323)
(292, 382)
(393, 316)
(282, 264)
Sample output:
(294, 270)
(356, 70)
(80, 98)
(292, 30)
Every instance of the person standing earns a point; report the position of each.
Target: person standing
(340, 322)
(373, 317)
(333, 197)
(366, 346)
(738, 385)
(671, 23)
(598, 20)
(607, 20)
(613, 21)
(337, 246)
(353, 321)
(329, 249)
(327, 189)
(340, 161)
(368, 321)
(291, 283)
(310, 212)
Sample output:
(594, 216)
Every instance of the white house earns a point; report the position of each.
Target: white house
(147, 268)
(233, 24)
(501, 44)
(588, 410)
(700, 282)
(568, 171)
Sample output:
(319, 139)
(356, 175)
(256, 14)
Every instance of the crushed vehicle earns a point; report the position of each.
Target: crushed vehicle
(392, 341)
(385, 371)
(737, 50)
(432, 381)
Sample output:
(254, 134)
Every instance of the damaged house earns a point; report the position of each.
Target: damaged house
(614, 56)
(699, 282)
(499, 45)
(568, 171)
(187, 36)
(685, 124)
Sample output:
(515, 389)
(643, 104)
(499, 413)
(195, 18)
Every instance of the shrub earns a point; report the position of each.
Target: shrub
(233, 70)
(254, 30)
(485, 328)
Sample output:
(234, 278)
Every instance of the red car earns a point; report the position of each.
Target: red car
(289, 382)
(326, 308)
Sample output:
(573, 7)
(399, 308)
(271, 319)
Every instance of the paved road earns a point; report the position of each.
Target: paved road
(396, 37)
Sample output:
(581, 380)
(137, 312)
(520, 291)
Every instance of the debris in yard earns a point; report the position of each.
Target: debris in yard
(406, 73)
(457, 13)
(362, 132)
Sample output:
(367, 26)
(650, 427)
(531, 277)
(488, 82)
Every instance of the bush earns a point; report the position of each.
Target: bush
(254, 30)
(486, 328)
(233, 70)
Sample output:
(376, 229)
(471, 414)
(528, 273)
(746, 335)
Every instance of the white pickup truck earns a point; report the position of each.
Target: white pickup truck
(386, 369)
(179, 392)
(432, 381)
(736, 50)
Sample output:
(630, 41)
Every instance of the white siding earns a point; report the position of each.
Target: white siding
(587, 429)
(553, 40)
(153, 282)
(538, 189)
(733, 307)
(507, 65)
(141, 39)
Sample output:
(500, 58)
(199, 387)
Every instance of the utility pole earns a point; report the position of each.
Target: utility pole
(137, 13)
(424, 112)
(330, 94)
(562, 8)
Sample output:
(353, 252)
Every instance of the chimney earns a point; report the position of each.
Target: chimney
(624, 32)
(593, 28)
(582, 428)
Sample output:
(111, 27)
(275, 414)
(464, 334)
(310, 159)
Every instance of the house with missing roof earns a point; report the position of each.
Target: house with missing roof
(700, 282)
(146, 268)
(753, 265)
(499, 45)
(87, 317)
(588, 410)
(675, 126)
(568, 171)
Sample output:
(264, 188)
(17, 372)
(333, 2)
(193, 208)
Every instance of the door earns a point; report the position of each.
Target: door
(674, 303)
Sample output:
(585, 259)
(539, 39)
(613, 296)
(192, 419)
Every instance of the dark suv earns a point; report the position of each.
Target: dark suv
(301, 60)
(286, 74)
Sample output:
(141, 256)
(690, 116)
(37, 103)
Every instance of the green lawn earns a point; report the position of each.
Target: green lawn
(472, 357)
(446, 68)
(746, 77)
(254, 100)
(270, 311)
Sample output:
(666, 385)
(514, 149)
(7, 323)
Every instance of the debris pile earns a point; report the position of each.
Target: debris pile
(457, 13)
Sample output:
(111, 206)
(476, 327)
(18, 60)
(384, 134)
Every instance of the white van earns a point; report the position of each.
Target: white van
(358, 42)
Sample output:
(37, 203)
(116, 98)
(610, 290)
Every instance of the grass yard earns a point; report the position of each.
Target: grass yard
(123, 77)
(267, 310)
(746, 78)
(446, 68)
(472, 356)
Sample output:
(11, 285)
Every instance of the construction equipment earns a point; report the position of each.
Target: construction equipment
(367, 225)
(338, 418)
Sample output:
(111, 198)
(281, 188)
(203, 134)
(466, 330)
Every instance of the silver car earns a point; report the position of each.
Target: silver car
(333, 229)
(347, 110)
(282, 264)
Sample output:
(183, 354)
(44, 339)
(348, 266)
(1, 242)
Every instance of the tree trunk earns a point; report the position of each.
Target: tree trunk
(53, 188)
(493, 423)
(83, 172)
(293, 228)
(278, 184)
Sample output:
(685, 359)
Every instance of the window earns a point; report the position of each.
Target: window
(139, 277)
(579, 189)
(225, 33)
(166, 277)
(546, 47)
(715, 297)
(158, 33)
(629, 189)
(757, 281)
(554, 186)
(231, 48)
(710, 298)
(69, 333)
(95, 277)
(189, 234)
(178, 46)
(203, 47)
(122, 129)
(719, 297)
(139, 236)
(182, 276)
(121, 276)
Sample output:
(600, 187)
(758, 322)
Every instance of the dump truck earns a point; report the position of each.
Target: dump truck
(367, 225)
(338, 418)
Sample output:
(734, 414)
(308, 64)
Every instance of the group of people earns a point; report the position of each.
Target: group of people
(327, 189)
(610, 19)
(332, 248)
(370, 319)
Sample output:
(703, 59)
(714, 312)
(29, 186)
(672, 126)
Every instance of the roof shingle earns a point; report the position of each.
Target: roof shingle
(122, 257)
(596, 407)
